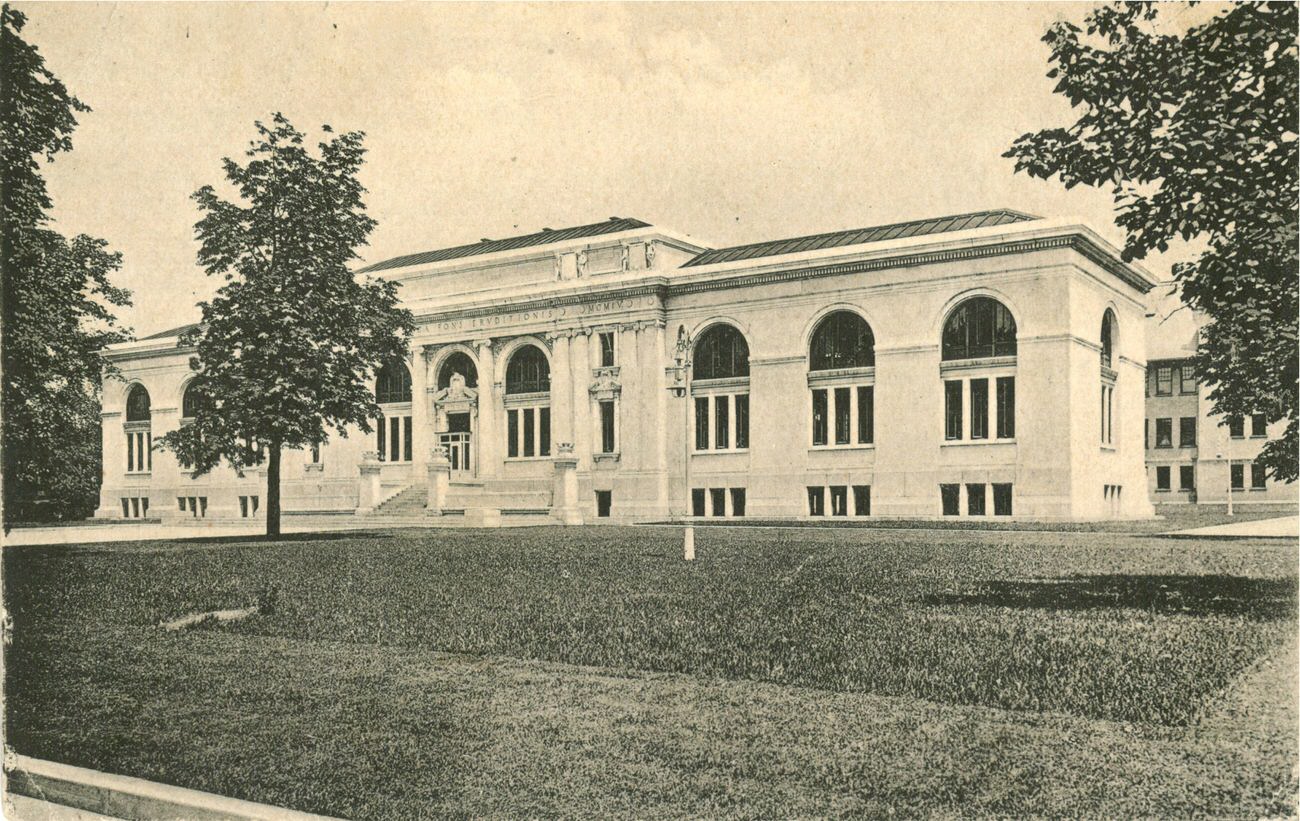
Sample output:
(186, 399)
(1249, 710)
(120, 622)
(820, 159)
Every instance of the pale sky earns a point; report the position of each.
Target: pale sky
(730, 123)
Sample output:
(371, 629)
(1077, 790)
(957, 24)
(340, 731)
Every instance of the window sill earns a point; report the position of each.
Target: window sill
(835, 448)
(144, 473)
(529, 458)
(967, 443)
(719, 452)
(317, 466)
(1258, 489)
(1109, 449)
(1264, 436)
(612, 456)
(1162, 490)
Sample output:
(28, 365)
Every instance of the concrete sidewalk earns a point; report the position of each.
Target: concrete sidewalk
(129, 532)
(1283, 527)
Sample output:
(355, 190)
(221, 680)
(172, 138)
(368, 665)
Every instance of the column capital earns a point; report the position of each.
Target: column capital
(427, 352)
(480, 344)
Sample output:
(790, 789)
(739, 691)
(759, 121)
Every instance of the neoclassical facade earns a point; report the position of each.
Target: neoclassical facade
(984, 365)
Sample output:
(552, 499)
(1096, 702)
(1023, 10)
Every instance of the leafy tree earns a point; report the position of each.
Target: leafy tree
(287, 345)
(1195, 135)
(57, 301)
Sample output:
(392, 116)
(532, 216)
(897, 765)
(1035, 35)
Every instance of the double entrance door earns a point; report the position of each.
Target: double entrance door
(458, 440)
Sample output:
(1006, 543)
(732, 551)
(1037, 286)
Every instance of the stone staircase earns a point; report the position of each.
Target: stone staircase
(408, 502)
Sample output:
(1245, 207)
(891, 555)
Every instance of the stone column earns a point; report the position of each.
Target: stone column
(660, 422)
(564, 498)
(112, 464)
(486, 435)
(580, 355)
(368, 489)
(628, 356)
(421, 429)
(439, 481)
(561, 390)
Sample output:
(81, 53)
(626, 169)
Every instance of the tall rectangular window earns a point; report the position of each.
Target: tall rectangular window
(1236, 427)
(1188, 382)
(530, 432)
(975, 500)
(544, 431)
(979, 409)
(950, 496)
(512, 433)
(839, 500)
(701, 423)
(718, 501)
(1162, 477)
(1257, 476)
(607, 426)
(1002, 499)
(607, 349)
(148, 455)
(406, 438)
(395, 439)
(604, 500)
(1238, 473)
(697, 501)
(130, 455)
(737, 501)
(1164, 433)
(1164, 381)
(1006, 387)
(819, 417)
(842, 415)
(952, 410)
(862, 500)
(1258, 425)
(866, 415)
(742, 420)
(816, 501)
(721, 422)
(1186, 477)
(1187, 432)
(381, 431)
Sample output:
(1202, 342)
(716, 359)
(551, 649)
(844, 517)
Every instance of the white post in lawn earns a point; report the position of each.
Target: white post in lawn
(679, 384)
(1229, 484)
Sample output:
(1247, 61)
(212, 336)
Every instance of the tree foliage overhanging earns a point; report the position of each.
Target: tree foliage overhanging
(289, 342)
(1195, 135)
(57, 301)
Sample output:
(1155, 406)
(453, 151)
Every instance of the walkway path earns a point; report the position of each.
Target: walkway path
(1283, 526)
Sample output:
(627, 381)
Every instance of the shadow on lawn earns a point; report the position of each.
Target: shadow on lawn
(1269, 599)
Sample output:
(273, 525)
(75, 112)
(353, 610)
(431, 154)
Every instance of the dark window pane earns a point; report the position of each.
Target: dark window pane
(1164, 381)
(742, 420)
(1107, 338)
(1258, 425)
(607, 427)
(1186, 477)
(393, 383)
(544, 431)
(607, 349)
(1002, 500)
(979, 409)
(1187, 432)
(737, 501)
(839, 500)
(395, 439)
(721, 352)
(842, 417)
(862, 500)
(1257, 475)
(952, 410)
(1189, 380)
(701, 423)
(819, 417)
(603, 501)
(950, 495)
(406, 438)
(979, 327)
(721, 422)
(866, 415)
(1238, 473)
(137, 404)
(512, 433)
(975, 500)
(1164, 433)
(697, 501)
(718, 500)
(1006, 388)
(816, 501)
(457, 362)
(842, 340)
(1236, 427)
(530, 432)
(528, 371)
(1162, 477)
(381, 434)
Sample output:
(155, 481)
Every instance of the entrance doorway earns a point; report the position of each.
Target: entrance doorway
(457, 441)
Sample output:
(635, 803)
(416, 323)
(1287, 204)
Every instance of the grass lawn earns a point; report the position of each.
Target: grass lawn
(590, 672)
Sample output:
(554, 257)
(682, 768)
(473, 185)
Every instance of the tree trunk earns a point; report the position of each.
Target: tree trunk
(273, 492)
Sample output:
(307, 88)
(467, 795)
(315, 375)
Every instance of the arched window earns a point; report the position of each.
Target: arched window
(843, 404)
(1107, 338)
(139, 431)
(528, 371)
(979, 398)
(190, 402)
(980, 327)
(720, 353)
(137, 404)
(393, 383)
(393, 431)
(528, 415)
(842, 340)
(457, 362)
(721, 410)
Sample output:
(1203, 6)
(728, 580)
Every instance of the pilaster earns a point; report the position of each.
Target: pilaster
(561, 388)
(488, 412)
(582, 430)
